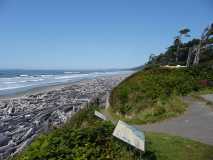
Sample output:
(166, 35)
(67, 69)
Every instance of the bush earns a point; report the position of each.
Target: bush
(84, 137)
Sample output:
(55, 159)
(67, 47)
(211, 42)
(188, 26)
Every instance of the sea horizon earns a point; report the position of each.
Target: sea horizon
(13, 81)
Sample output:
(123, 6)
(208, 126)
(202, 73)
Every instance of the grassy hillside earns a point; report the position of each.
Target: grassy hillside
(153, 94)
(87, 138)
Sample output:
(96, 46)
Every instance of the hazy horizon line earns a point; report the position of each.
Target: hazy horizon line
(74, 69)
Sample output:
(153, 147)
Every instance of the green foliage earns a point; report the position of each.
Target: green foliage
(169, 57)
(152, 94)
(95, 142)
(84, 118)
(84, 137)
(184, 31)
(166, 147)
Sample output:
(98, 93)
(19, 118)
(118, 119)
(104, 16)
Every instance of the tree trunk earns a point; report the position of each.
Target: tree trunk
(188, 62)
(197, 55)
(177, 53)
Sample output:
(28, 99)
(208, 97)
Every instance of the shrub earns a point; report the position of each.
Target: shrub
(77, 141)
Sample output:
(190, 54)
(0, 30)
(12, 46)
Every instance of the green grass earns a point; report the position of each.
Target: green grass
(165, 147)
(160, 111)
(154, 94)
(202, 92)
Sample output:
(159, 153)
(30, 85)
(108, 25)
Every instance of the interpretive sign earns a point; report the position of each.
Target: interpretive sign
(130, 135)
(100, 115)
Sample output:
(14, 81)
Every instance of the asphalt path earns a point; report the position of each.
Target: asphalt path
(196, 123)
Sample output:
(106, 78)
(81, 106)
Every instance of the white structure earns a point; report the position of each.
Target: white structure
(100, 115)
(130, 135)
(173, 67)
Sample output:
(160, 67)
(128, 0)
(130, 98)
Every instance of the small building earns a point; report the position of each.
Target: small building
(173, 67)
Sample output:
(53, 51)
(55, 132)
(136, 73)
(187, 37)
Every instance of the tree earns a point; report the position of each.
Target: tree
(205, 38)
(177, 43)
(182, 33)
(210, 31)
(152, 58)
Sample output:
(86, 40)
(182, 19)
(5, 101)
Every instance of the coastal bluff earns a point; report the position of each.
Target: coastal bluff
(24, 117)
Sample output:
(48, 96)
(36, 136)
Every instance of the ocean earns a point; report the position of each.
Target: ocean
(14, 81)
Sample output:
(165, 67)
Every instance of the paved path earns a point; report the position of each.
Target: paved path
(208, 97)
(196, 123)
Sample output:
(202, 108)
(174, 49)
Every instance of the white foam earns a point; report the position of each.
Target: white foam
(9, 82)
(37, 80)
(46, 75)
(23, 75)
(71, 76)
(72, 72)
(23, 81)
(14, 87)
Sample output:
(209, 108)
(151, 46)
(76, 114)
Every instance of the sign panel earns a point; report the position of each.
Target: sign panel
(130, 135)
(100, 115)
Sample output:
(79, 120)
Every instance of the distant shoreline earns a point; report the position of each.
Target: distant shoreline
(38, 89)
(46, 88)
(27, 84)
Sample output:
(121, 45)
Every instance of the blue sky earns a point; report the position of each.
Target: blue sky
(93, 34)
